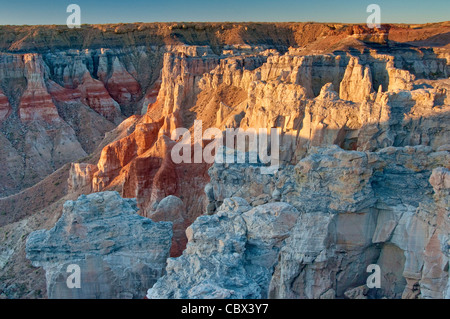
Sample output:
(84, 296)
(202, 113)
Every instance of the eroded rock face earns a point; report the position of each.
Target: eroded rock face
(172, 208)
(122, 86)
(120, 254)
(80, 177)
(343, 88)
(36, 103)
(357, 82)
(56, 106)
(316, 100)
(230, 254)
(357, 209)
(427, 242)
(5, 108)
(97, 97)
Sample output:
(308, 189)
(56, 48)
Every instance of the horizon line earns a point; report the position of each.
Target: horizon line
(210, 22)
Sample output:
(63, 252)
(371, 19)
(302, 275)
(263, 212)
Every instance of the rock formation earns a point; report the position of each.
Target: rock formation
(5, 108)
(95, 95)
(363, 119)
(119, 253)
(230, 254)
(173, 209)
(36, 102)
(262, 89)
(318, 227)
(356, 211)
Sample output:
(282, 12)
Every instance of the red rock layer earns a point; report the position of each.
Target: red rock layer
(94, 94)
(119, 154)
(36, 103)
(5, 108)
(151, 96)
(61, 94)
(140, 164)
(121, 85)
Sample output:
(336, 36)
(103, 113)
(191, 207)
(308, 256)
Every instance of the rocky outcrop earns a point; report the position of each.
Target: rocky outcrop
(172, 208)
(356, 211)
(356, 85)
(230, 254)
(119, 253)
(36, 103)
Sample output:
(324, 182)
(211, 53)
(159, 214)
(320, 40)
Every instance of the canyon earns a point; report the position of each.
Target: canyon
(86, 122)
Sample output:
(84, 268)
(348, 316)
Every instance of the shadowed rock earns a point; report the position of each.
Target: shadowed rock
(231, 254)
(120, 254)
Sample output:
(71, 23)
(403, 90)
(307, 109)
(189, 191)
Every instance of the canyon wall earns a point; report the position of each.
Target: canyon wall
(363, 116)
(316, 100)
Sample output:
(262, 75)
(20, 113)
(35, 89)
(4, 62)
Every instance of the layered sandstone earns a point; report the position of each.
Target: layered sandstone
(5, 108)
(95, 95)
(37, 38)
(54, 100)
(121, 85)
(36, 103)
(377, 110)
(316, 100)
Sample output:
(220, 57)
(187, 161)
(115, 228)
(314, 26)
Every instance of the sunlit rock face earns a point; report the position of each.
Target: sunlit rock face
(355, 102)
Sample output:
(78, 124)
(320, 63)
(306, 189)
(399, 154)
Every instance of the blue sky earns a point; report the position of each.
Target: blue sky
(114, 11)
